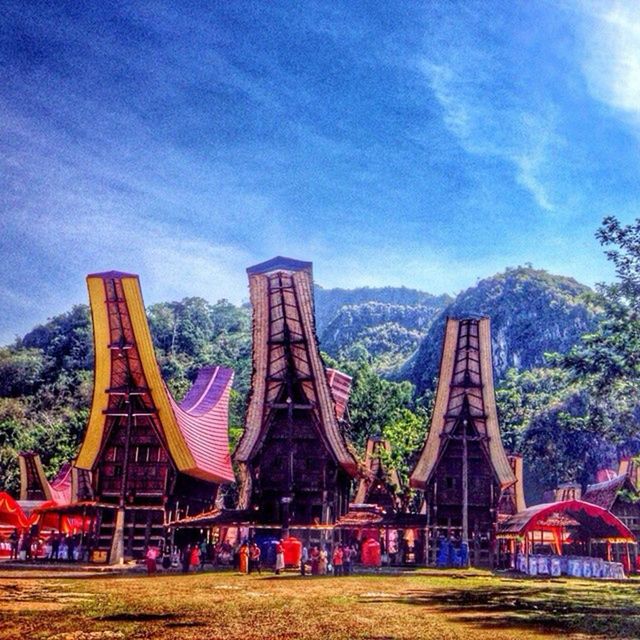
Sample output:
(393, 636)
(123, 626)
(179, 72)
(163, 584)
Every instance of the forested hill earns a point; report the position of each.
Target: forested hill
(329, 302)
(532, 313)
(387, 328)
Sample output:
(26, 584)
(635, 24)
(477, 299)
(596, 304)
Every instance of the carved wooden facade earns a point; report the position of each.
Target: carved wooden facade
(295, 465)
(463, 468)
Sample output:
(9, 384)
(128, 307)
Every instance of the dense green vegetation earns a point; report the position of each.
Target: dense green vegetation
(387, 334)
(566, 361)
(582, 412)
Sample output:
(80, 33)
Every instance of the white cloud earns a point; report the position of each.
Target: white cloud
(171, 263)
(490, 124)
(611, 57)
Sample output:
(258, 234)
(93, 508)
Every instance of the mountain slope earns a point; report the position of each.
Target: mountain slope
(532, 313)
(388, 333)
(329, 302)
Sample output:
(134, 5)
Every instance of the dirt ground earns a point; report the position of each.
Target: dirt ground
(423, 604)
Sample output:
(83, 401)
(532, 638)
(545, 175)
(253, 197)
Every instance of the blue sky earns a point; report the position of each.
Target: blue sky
(397, 143)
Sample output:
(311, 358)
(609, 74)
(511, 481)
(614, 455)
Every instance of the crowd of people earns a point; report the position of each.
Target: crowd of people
(320, 560)
(247, 557)
(54, 546)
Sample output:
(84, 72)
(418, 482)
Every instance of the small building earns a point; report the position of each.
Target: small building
(296, 468)
(379, 484)
(621, 496)
(463, 469)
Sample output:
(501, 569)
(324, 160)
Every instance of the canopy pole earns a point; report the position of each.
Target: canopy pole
(628, 556)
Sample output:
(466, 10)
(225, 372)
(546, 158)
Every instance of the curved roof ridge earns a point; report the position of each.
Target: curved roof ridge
(197, 442)
(606, 484)
(209, 386)
(61, 485)
(204, 423)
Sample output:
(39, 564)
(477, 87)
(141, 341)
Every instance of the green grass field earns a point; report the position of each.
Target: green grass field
(424, 604)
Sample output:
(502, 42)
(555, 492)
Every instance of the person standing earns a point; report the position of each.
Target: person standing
(26, 546)
(347, 552)
(254, 558)
(315, 561)
(203, 555)
(71, 547)
(14, 539)
(304, 558)
(244, 557)
(323, 561)
(186, 559)
(279, 557)
(195, 557)
(151, 560)
(55, 546)
(337, 560)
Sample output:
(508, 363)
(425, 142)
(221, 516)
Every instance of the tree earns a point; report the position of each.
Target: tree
(374, 402)
(21, 371)
(406, 433)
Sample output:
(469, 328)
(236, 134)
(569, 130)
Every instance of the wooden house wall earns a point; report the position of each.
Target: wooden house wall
(318, 485)
(628, 513)
(147, 469)
(445, 489)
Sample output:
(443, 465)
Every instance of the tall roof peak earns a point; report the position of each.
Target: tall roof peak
(106, 275)
(280, 263)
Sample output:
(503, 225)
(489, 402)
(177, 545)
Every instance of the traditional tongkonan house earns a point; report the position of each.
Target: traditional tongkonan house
(34, 486)
(621, 496)
(379, 485)
(296, 469)
(151, 459)
(70, 484)
(378, 511)
(512, 500)
(463, 469)
(40, 498)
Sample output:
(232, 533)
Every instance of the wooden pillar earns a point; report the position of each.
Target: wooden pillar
(465, 493)
(116, 554)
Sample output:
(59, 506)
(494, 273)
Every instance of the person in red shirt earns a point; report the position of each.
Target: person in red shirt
(195, 557)
(337, 560)
(315, 561)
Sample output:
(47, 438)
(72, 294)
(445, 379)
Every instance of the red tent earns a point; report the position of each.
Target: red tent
(11, 513)
(51, 515)
(595, 521)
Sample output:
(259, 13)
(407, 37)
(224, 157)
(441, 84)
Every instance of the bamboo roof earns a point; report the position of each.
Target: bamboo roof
(194, 432)
(285, 346)
(465, 383)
